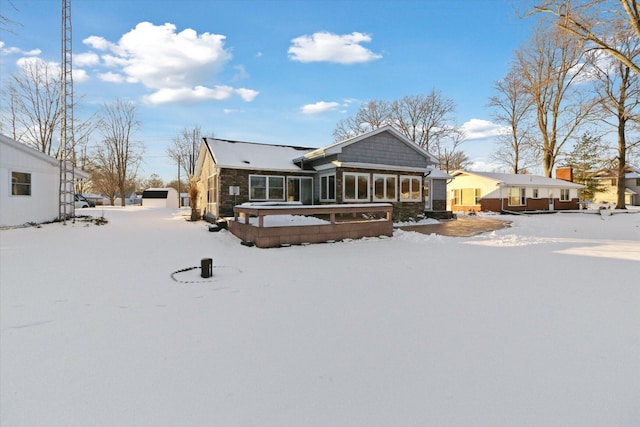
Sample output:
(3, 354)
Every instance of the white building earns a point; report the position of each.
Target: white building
(160, 198)
(29, 184)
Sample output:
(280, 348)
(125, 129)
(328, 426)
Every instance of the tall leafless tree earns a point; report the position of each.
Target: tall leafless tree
(551, 65)
(184, 149)
(34, 104)
(512, 107)
(592, 21)
(619, 101)
(119, 155)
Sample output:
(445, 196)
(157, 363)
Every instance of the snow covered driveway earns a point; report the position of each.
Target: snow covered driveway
(537, 324)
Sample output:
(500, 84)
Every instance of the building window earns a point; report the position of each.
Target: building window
(410, 188)
(356, 187)
(455, 195)
(300, 189)
(478, 196)
(263, 187)
(470, 196)
(384, 188)
(328, 188)
(517, 196)
(536, 195)
(564, 195)
(637, 182)
(20, 184)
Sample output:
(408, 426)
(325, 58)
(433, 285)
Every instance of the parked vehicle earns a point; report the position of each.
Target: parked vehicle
(83, 202)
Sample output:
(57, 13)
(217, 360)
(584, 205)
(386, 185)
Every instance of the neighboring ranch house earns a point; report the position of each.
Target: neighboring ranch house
(609, 180)
(499, 192)
(379, 166)
(29, 184)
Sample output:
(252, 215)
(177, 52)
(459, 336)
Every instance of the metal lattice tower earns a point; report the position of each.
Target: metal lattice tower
(67, 143)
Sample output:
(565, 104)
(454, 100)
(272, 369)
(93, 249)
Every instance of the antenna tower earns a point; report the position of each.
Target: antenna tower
(67, 179)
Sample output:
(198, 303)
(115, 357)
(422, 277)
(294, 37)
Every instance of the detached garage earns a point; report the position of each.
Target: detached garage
(160, 198)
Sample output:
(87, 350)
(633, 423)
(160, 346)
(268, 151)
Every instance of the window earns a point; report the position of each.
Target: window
(263, 187)
(410, 188)
(455, 195)
(536, 195)
(20, 184)
(356, 187)
(516, 196)
(637, 182)
(478, 196)
(384, 188)
(470, 196)
(564, 195)
(328, 188)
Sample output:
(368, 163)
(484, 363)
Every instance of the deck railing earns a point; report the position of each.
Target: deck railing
(351, 221)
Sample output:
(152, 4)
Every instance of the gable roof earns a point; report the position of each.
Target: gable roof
(520, 180)
(251, 155)
(631, 173)
(28, 150)
(336, 148)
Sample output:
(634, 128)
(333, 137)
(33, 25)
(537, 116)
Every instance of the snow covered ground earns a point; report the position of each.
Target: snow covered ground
(533, 325)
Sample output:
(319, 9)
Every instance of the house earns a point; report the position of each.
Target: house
(498, 192)
(29, 184)
(608, 178)
(379, 166)
(160, 198)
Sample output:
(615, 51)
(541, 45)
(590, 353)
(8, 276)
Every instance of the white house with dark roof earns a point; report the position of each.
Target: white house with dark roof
(497, 192)
(378, 166)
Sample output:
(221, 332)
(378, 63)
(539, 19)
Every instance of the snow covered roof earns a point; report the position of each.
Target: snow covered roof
(337, 147)
(520, 180)
(251, 155)
(435, 173)
(28, 150)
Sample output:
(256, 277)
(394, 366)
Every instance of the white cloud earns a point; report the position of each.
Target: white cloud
(80, 75)
(111, 77)
(15, 50)
(328, 47)
(175, 65)
(232, 111)
(198, 93)
(86, 59)
(479, 129)
(319, 107)
(99, 43)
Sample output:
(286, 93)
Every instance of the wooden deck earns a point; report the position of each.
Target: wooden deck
(344, 222)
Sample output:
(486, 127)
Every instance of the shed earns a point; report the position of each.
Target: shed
(160, 198)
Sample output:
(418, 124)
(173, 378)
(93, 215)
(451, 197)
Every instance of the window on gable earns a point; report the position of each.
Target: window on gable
(20, 184)
(410, 188)
(356, 187)
(384, 187)
(262, 187)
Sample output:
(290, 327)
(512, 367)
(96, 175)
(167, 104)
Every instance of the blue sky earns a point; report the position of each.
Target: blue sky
(278, 72)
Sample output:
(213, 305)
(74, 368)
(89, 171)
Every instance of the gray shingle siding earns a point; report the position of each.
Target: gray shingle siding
(383, 149)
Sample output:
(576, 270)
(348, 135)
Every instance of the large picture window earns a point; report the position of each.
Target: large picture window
(356, 187)
(20, 184)
(384, 188)
(517, 196)
(263, 187)
(410, 188)
(328, 188)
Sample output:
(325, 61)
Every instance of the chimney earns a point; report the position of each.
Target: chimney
(565, 174)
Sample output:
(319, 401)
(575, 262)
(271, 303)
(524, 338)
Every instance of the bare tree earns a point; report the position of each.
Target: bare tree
(618, 88)
(446, 149)
(593, 20)
(551, 65)
(119, 155)
(512, 107)
(424, 119)
(185, 148)
(34, 104)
